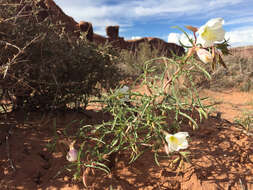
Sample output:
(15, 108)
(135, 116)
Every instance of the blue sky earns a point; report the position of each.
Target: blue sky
(154, 18)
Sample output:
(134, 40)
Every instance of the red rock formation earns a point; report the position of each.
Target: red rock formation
(72, 26)
(112, 32)
(86, 27)
(246, 51)
(57, 15)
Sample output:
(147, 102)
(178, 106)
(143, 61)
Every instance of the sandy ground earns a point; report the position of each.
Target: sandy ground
(221, 154)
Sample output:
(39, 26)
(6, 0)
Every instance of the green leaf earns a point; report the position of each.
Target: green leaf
(182, 30)
(98, 165)
(190, 118)
(156, 159)
(203, 70)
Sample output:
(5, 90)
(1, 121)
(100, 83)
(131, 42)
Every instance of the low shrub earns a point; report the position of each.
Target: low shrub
(46, 67)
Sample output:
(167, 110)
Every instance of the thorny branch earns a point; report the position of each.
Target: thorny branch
(15, 18)
(13, 61)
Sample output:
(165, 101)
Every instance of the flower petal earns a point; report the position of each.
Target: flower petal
(211, 32)
(123, 94)
(176, 142)
(215, 23)
(203, 42)
(184, 145)
(220, 34)
(72, 155)
(204, 55)
(167, 137)
(124, 89)
(172, 147)
(180, 135)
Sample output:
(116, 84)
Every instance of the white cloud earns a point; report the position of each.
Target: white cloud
(103, 13)
(240, 20)
(216, 3)
(176, 37)
(135, 37)
(164, 7)
(124, 13)
(240, 36)
(138, 8)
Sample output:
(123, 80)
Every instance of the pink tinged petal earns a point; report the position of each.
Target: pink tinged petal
(204, 55)
(72, 155)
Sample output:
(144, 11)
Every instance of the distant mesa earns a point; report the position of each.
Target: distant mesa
(245, 51)
(50, 8)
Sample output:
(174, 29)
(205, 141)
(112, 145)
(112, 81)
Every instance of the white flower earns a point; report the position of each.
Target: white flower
(176, 142)
(204, 55)
(123, 91)
(211, 32)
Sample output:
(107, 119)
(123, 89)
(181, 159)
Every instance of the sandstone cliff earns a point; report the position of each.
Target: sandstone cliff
(56, 14)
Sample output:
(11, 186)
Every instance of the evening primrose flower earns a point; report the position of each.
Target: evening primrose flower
(211, 32)
(123, 91)
(72, 154)
(204, 55)
(176, 142)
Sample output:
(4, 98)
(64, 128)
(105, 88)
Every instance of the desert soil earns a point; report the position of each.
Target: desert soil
(231, 103)
(221, 153)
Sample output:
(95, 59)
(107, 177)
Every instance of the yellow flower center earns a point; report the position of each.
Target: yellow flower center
(174, 140)
(208, 58)
(208, 34)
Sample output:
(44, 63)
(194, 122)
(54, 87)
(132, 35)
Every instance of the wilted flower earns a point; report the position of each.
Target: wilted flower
(204, 55)
(72, 154)
(211, 32)
(192, 28)
(176, 142)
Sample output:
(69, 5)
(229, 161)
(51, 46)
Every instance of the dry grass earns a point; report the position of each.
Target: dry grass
(238, 75)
